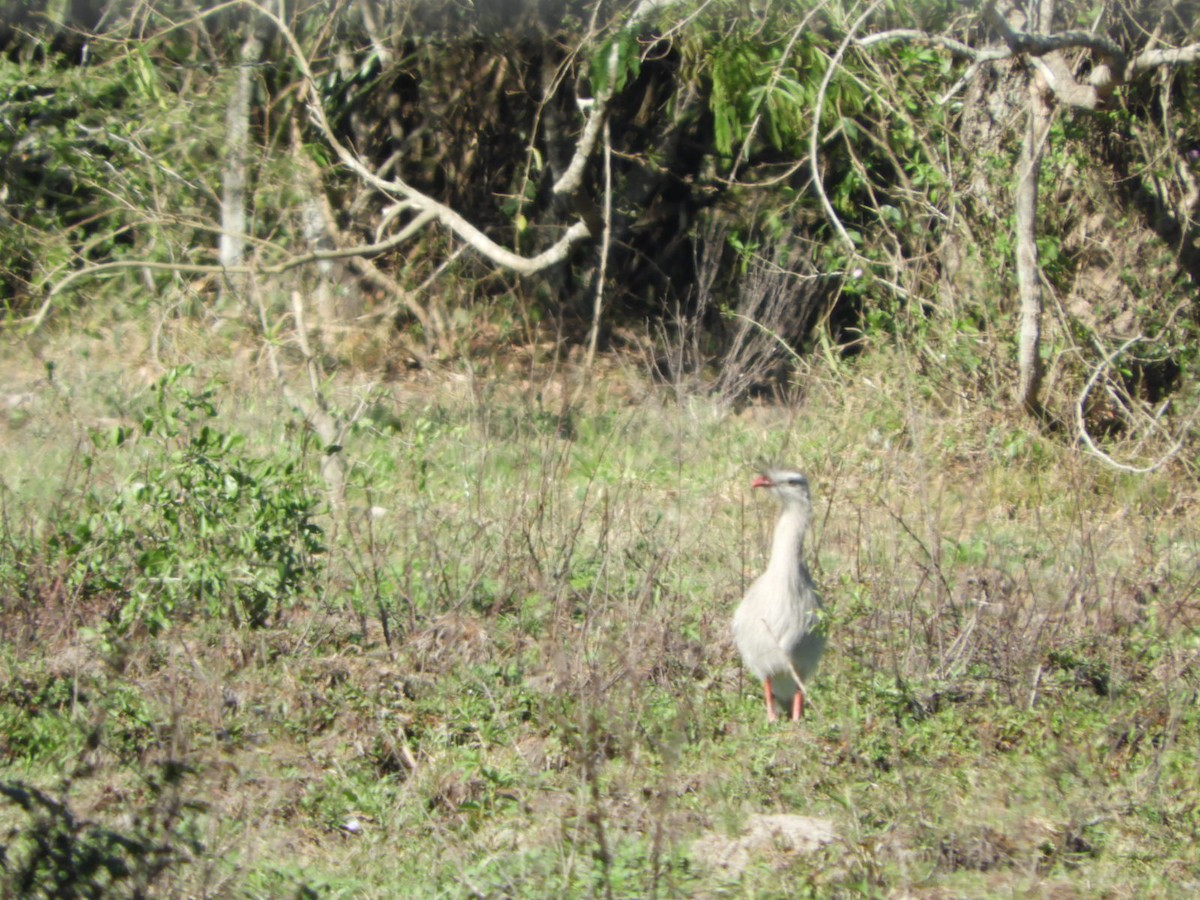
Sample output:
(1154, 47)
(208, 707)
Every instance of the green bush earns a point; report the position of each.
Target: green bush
(209, 528)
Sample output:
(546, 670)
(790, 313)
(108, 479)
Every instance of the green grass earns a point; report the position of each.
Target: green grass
(515, 677)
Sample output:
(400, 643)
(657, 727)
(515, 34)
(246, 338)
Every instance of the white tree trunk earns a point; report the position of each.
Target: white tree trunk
(1029, 285)
(232, 246)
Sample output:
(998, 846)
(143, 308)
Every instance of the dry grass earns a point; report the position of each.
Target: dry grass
(515, 677)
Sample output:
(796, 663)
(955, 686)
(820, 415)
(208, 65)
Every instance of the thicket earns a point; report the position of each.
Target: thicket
(768, 179)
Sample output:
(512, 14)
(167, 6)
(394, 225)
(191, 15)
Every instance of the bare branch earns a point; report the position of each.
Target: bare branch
(502, 256)
(1081, 425)
(958, 48)
(572, 179)
(606, 238)
(1152, 59)
(396, 187)
(1113, 68)
(814, 136)
(361, 250)
(1025, 42)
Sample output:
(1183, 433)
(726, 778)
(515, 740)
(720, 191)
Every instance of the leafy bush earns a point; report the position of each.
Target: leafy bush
(209, 527)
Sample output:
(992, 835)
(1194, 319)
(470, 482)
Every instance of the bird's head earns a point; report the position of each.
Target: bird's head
(788, 486)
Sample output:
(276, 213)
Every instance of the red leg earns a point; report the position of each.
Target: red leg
(798, 705)
(770, 700)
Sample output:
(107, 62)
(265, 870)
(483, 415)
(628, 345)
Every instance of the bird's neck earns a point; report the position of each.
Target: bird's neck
(788, 544)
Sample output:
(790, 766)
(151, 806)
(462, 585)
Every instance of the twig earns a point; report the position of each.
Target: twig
(605, 239)
(958, 48)
(1081, 425)
(754, 323)
(362, 250)
(933, 560)
(814, 136)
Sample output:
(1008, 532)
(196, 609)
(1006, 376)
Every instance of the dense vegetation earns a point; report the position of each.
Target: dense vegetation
(381, 383)
(146, 147)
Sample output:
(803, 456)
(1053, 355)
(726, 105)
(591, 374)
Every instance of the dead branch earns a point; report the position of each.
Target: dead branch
(1153, 59)
(416, 200)
(1085, 436)
(364, 251)
(571, 180)
(1032, 44)
(815, 135)
(913, 35)
(1113, 67)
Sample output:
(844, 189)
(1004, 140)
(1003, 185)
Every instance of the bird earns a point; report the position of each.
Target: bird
(779, 627)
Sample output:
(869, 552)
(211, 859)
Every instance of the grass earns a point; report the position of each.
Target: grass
(511, 672)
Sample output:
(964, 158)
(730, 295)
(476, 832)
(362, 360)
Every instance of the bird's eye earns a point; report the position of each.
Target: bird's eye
(797, 479)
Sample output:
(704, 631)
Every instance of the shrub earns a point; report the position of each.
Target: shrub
(209, 527)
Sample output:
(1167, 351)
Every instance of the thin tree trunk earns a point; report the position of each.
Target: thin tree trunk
(1029, 286)
(232, 247)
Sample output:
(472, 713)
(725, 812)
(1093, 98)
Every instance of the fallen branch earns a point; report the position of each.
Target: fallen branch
(1034, 44)
(1112, 69)
(912, 35)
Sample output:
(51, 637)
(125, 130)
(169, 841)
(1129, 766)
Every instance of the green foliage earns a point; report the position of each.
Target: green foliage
(754, 86)
(209, 528)
(616, 63)
(76, 142)
(33, 719)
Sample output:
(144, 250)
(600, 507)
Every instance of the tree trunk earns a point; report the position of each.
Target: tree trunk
(232, 246)
(1029, 285)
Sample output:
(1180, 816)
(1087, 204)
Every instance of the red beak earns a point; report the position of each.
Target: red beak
(761, 481)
